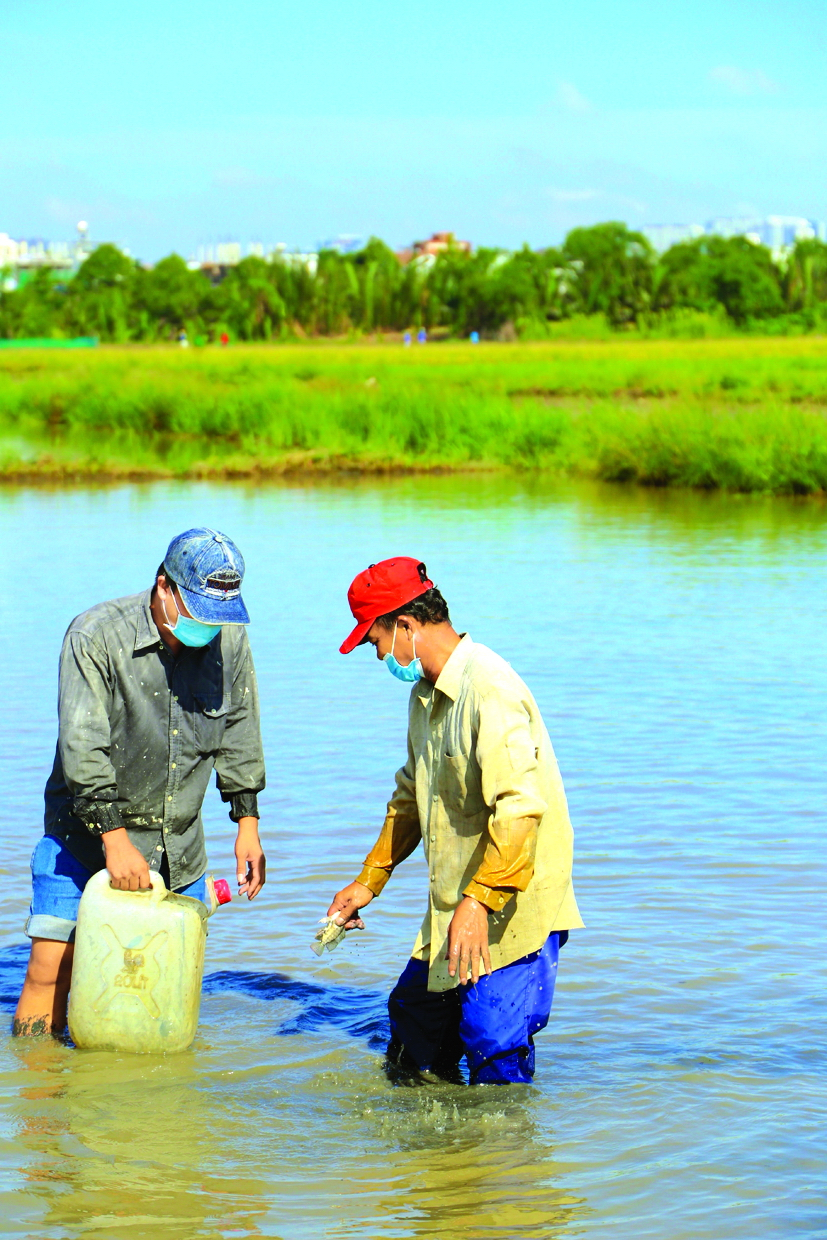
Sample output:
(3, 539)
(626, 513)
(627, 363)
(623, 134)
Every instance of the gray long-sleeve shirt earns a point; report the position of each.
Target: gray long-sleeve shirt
(141, 730)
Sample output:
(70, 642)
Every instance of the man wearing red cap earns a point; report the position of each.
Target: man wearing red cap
(482, 791)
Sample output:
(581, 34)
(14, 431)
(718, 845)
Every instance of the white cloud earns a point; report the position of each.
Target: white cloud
(743, 81)
(571, 98)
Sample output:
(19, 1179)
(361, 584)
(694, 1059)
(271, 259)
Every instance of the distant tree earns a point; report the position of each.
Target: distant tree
(462, 295)
(35, 308)
(249, 301)
(614, 267)
(732, 272)
(169, 296)
(805, 278)
(533, 285)
(295, 284)
(99, 298)
(338, 304)
(382, 303)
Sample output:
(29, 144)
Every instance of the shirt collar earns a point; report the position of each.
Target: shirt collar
(147, 632)
(451, 674)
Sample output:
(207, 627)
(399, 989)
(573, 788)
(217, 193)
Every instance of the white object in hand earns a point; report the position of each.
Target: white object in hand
(329, 936)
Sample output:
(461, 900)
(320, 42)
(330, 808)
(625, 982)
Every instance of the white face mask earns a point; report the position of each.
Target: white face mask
(412, 672)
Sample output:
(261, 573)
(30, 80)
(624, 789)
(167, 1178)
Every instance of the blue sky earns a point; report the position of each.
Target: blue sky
(171, 124)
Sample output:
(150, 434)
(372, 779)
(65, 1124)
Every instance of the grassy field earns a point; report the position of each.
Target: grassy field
(743, 414)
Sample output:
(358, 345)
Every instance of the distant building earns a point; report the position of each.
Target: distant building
(778, 233)
(216, 258)
(662, 236)
(345, 243)
(19, 256)
(425, 252)
(439, 242)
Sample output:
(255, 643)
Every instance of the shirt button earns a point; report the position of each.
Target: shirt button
(173, 766)
(433, 837)
(160, 848)
(174, 731)
(169, 798)
(175, 699)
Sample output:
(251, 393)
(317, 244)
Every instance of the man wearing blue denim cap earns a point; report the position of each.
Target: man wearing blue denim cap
(156, 691)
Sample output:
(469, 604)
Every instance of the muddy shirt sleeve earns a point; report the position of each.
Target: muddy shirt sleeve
(510, 786)
(84, 737)
(400, 833)
(239, 763)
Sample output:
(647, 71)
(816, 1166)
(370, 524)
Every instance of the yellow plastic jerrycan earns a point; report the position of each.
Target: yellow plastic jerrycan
(139, 959)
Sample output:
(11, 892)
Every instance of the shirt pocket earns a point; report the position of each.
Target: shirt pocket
(460, 786)
(209, 723)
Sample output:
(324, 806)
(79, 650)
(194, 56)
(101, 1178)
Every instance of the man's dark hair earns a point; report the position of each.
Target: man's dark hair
(428, 608)
(162, 572)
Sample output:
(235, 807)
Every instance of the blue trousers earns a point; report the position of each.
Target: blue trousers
(492, 1024)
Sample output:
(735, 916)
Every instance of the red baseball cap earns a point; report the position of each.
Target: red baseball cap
(380, 589)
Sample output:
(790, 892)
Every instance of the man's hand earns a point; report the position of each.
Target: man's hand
(249, 858)
(127, 869)
(468, 941)
(346, 905)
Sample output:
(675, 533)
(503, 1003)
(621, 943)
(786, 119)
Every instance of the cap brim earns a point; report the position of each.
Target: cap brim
(358, 635)
(215, 610)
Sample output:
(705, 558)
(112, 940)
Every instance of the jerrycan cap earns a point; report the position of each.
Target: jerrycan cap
(222, 890)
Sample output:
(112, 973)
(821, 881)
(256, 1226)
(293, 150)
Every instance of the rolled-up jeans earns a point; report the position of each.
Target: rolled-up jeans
(58, 880)
(491, 1023)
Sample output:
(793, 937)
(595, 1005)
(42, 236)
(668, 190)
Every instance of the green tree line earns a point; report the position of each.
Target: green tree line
(607, 270)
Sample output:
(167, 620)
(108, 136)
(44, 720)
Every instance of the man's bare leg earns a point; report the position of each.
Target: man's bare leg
(45, 995)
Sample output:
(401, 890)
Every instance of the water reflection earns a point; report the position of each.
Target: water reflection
(467, 1163)
(135, 1150)
(354, 1013)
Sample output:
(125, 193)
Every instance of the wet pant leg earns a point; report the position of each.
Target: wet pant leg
(500, 1015)
(424, 1023)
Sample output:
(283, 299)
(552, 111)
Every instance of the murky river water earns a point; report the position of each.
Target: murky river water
(676, 646)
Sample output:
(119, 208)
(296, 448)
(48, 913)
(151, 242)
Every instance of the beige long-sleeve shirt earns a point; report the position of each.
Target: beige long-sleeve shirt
(482, 790)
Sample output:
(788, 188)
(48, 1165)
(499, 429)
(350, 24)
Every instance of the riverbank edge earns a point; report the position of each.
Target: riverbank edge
(47, 471)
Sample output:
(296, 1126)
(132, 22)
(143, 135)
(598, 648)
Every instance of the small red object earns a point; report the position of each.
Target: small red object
(222, 890)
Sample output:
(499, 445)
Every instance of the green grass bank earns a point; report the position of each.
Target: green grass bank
(742, 414)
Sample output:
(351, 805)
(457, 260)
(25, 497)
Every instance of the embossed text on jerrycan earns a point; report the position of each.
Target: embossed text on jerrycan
(139, 958)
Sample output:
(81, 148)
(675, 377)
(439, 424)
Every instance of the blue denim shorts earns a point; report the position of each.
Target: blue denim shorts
(58, 880)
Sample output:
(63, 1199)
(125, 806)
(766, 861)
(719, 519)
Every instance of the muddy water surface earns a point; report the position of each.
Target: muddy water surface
(676, 646)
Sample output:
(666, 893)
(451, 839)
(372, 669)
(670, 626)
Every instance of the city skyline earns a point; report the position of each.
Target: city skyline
(777, 233)
(508, 126)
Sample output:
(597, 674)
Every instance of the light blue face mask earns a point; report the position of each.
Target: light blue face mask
(410, 673)
(191, 632)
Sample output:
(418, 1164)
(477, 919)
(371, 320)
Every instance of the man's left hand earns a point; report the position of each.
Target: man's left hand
(250, 861)
(468, 941)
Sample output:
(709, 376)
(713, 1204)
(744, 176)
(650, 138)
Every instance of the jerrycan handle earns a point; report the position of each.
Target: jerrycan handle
(154, 893)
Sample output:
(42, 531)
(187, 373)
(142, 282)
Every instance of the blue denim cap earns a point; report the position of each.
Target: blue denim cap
(208, 569)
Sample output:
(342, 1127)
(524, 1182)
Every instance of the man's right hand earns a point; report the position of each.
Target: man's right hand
(127, 869)
(346, 905)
